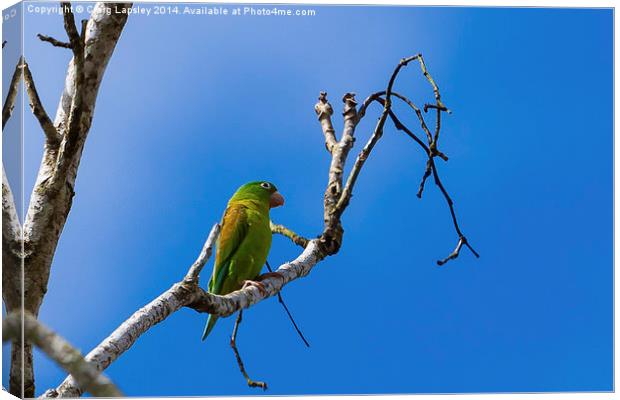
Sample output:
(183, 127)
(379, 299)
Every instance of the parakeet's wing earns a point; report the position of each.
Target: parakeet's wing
(235, 227)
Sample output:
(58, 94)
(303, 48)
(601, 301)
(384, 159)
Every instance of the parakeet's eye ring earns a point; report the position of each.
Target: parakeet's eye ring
(265, 185)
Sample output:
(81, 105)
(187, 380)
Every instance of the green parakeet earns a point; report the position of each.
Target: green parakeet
(244, 241)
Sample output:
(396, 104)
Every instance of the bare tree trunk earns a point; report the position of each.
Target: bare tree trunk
(53, 192)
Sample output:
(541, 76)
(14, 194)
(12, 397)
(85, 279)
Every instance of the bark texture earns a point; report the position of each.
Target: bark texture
(53, 192)
(59, 350)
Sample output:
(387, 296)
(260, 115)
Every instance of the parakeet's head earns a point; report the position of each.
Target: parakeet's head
(262, 191)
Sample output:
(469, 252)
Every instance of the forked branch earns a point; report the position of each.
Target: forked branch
(431, 150)
(188, 293)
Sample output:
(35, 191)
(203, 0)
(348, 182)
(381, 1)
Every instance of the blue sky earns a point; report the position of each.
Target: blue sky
(192, 107)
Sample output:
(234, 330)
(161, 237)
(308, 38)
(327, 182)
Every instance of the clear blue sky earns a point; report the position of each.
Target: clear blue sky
(192, 107)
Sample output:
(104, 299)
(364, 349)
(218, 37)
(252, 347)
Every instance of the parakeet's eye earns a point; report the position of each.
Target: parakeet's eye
(265, 185)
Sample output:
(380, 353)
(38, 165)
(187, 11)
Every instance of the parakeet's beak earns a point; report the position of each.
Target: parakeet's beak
(276, 200)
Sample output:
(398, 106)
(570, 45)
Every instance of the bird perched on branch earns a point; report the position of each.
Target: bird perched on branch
(244, 241)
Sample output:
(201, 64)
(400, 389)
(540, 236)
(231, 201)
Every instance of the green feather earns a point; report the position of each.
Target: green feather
(244, 242)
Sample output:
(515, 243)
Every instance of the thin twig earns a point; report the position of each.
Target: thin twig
(430, 149)
(281, 300)
(427, 173)
(284, 231)
(54, 42)
(454, 254)
(233, 344)
(462, 238)
(430, 79)
(402, 127)
(376, 96)
(207, 249)
(347, 192)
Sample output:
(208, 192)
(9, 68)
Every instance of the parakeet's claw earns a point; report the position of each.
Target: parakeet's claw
(261, 288)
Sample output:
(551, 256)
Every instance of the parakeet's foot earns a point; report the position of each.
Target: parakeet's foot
(258, 285)
(267, 275)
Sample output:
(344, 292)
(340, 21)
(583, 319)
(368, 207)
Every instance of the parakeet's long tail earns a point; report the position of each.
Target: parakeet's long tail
(209, 326)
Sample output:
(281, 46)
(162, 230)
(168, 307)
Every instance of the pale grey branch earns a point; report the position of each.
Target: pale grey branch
(205, 254)
(59, 350)
(188, 294)
(284, 231)
(37, 108)
(9, 102)
(324, 112)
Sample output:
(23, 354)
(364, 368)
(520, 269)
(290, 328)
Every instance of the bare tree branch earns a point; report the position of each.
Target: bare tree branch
(205, 254)
(346, 194)
(187, 292)
(284, 231)
(331, 239)
(54, 42)
(378, 97)
(179, 295)
(9, 102)
(59, 350)
(430, 149)
(324, 112)
(38, 110)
